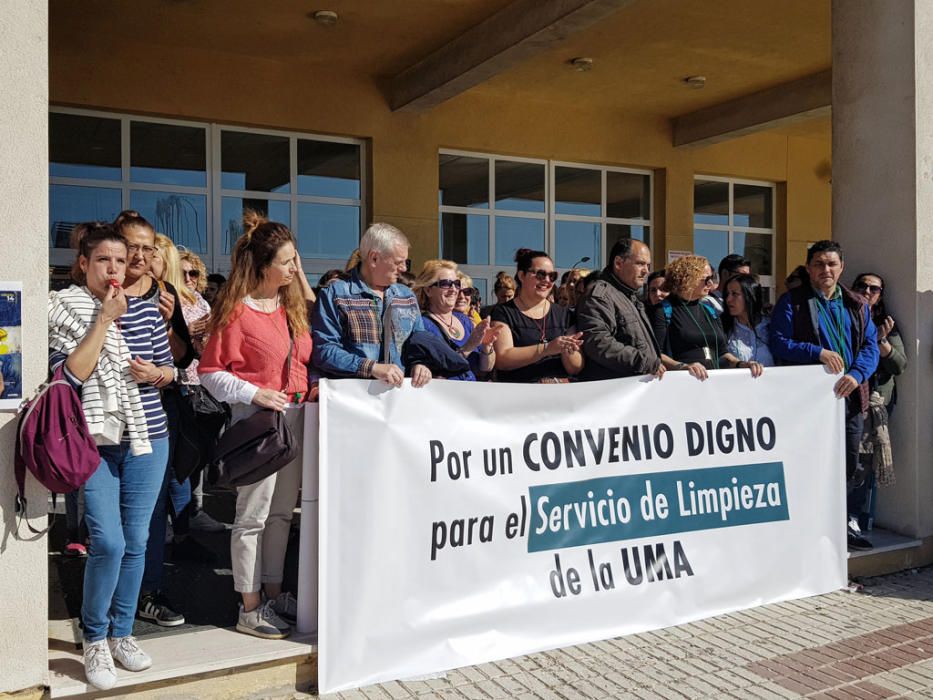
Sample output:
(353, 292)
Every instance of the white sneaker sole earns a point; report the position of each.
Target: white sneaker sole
(263, 635)
(157, 621)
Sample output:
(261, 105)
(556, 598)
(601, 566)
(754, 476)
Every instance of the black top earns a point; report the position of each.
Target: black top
(528, 331)
(178, 325)
(692, 328)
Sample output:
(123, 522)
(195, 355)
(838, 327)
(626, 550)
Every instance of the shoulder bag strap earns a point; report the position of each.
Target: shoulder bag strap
(288, 362)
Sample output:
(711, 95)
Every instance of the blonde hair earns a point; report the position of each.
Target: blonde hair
(465, 280)
(353, 261)
(683, 274)
(428, 276)
(254, 251)
(171, 268)
(198, 264)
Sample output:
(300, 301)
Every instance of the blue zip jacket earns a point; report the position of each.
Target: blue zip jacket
(861, 361)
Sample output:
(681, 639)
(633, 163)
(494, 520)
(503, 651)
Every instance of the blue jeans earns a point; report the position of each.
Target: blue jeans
(179, 494)
(118, 499)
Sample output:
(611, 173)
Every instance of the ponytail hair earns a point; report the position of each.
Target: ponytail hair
(525, 256)
(253, 253)
(85, 238)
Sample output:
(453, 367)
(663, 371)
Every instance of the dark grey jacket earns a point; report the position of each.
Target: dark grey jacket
(617, 336)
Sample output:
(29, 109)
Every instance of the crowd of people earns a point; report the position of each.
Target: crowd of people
(144, 324)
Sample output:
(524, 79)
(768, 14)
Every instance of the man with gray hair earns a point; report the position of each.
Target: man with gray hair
(359, 325)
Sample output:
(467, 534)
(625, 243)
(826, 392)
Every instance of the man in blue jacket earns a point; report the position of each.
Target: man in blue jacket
(360, 325)
(823, 322)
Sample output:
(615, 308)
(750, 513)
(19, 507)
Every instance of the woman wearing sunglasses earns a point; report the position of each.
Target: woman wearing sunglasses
(688, 329)
(439, 289)
(537, 341)
(893, 360)
(876, 443)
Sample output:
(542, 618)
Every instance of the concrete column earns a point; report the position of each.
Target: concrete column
(24, 225)
(883, 211)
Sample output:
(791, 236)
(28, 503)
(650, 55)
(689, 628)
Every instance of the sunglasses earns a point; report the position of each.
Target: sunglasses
(468, 291)
(447, 284)
(708, 280)
(871, 288)
(542, 275)
(193, 274)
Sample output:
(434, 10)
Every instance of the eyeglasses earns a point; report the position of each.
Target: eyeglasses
(871, 288)
(447, 284)
(193, 274)
(542, 275)
(147, 250)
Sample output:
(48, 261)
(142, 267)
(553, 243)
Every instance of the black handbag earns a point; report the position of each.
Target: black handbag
(201, 418)
(255, 447)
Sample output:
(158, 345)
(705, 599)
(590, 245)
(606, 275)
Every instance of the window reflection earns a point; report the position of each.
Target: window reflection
(327, 231)
(167, 154)
(712, 245)
(181, 217)
(328, 169)
(70, 205)
(711, 202)
(513, 233)
(254, 162)
(465, 238)
(464, 181)
(576, 240)
(84, 147)
(578, 191)
(519, 186)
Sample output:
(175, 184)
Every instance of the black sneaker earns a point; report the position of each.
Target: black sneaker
(189, 549)
(856, 541)
(155, 607)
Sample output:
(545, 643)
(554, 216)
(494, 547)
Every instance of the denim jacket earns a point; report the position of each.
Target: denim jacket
(348, 327)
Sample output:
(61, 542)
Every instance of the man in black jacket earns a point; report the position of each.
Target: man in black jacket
(617, 336)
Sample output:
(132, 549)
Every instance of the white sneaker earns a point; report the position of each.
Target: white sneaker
(285, 606)
(98, 665)
(262, 622)
(203, 522)
(853, 525)
(127, 652)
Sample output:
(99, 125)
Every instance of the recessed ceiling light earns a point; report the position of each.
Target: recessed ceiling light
(328, 18)
(695, 82)
(581, 64)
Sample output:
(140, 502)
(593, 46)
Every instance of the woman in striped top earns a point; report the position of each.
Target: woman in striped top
(115, 351)
(142, 284)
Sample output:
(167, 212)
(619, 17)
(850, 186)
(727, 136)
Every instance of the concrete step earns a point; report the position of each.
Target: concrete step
(203, 665)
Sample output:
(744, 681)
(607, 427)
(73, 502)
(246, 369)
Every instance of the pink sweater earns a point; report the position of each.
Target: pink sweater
(253, 346)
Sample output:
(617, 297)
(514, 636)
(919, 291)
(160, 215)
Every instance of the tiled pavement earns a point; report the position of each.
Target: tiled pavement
(876, 643)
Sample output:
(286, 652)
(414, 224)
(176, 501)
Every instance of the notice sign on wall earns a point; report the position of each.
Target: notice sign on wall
(467, 522)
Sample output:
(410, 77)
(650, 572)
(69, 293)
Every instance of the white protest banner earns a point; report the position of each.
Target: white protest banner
(467, 522)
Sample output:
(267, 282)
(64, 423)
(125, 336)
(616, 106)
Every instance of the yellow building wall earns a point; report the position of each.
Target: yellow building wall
(231, 88)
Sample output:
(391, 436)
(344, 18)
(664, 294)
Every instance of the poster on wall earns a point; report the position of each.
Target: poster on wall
(11, 345)
(467, 522)
(673, 255)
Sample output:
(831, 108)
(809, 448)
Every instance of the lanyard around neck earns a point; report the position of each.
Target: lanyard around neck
(835, 326)
(702, 332)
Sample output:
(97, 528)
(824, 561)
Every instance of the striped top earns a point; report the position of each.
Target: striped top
(143, 330)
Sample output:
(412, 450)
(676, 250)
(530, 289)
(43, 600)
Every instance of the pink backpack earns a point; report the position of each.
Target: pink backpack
(53, 442)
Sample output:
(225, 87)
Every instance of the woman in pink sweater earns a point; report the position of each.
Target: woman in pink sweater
(264, 301)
